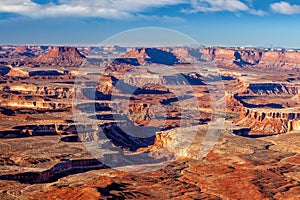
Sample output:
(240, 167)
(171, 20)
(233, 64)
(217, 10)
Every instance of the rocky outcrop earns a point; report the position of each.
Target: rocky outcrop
(141, 113)
(178, 141)
(294, 125)
(106, 84)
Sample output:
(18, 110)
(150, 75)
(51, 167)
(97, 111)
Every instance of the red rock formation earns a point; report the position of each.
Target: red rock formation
(227, 57)
(269, 122)
(60, 56)
(271, 88)
(141, 113)
(152, 55)
(21, 49)
(18, 52)
(12, 72)
(106, 84)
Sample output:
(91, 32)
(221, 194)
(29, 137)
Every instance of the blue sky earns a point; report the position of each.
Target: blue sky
(210, 22)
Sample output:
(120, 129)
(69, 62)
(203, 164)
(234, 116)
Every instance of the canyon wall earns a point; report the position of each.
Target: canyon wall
(272, 88)
(265, 59)
(57, 171)
(269, 121)
(48, 91)
(275, 59)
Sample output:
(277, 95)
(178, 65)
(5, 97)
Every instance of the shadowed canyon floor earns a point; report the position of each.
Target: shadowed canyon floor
(131, 123)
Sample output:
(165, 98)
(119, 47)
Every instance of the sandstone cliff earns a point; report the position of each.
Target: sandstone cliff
(272, 88)
(270, 121)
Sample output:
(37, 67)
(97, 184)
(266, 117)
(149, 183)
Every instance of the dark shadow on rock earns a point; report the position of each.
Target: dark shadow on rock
(60, 170)
(45, 73)
(106, 191)
(161, 57)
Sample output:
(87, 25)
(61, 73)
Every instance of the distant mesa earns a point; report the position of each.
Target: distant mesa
(17, 53)
(152, 55)
(127, 58)
(283, 60)
(21, 49)
(141, 57)
(60, 56)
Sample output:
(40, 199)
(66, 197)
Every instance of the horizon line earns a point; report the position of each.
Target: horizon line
(153, 46)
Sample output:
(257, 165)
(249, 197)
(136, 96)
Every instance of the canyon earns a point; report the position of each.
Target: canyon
(116, 122)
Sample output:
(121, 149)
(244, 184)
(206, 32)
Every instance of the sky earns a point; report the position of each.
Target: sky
(268, 23)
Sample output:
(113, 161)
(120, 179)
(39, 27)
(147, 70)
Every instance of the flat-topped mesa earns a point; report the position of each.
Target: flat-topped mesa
(270, 121)
(271, 88)
(272, 114)
(60, 56)
(18, 52)
(152, 55)
(266, 59)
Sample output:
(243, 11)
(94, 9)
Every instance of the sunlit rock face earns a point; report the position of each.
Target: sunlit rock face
(58, 56)
(269, 122)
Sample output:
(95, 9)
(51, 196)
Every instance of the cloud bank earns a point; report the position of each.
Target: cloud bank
(124, 9)
(285, 8)
(83, 8)
(221, 5)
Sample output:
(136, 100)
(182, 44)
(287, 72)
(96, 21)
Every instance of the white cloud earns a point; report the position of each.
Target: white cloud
(221, 5)
(122, 5)
(83, 8)
(161, 18)
(18, 6)
(119, 9)
(217, 5)
(258, 12)
(285, 8)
